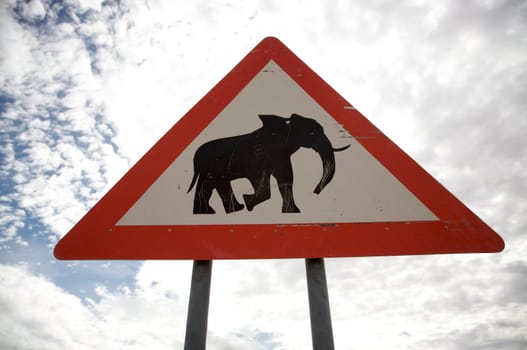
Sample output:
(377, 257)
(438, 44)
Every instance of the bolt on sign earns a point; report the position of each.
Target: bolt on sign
(273, 163)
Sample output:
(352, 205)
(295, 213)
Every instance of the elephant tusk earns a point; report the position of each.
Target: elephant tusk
(341, 148)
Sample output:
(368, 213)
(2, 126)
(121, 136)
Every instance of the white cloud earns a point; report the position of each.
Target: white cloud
(406, 302)
(33, 10)
(419, 302)
(55, 121)
(36, 314)
(260, 297)
(86, 5)
(11, 221)
(15, 61)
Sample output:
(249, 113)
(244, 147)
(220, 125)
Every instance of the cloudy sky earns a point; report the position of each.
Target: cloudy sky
(87, 87)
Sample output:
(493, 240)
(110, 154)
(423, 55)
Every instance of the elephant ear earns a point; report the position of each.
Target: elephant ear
(273, 121)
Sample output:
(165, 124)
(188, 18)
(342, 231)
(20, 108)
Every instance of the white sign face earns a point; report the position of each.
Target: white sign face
(362, 190)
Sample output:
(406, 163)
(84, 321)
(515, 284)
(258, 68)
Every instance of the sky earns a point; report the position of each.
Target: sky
(87, 87)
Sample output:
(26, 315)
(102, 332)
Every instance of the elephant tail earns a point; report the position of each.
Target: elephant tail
(194, 179)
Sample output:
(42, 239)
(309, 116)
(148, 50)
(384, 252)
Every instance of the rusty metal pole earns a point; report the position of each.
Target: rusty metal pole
(317, 289)
(198, 306)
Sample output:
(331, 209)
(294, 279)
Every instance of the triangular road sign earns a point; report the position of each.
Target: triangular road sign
(273, 163)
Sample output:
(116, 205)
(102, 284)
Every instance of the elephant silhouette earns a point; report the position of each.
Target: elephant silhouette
(256, 156)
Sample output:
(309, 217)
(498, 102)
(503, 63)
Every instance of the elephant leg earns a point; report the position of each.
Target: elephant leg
(202, 197)
(288, 202)
(284, 177)
(262, 191)
(230, 203)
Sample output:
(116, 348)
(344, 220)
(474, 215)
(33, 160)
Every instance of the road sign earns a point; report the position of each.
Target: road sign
(273, 163)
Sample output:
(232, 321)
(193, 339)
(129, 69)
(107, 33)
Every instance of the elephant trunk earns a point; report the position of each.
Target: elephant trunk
(325, 150)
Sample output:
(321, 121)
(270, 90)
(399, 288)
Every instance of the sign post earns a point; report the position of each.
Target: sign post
(319, 311)
(198, 306)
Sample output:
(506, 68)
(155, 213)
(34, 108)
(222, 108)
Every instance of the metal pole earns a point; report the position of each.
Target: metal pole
(198, 305)
(317, 289)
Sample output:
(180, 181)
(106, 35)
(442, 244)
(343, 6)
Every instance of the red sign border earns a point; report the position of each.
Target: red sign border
(96, 236)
